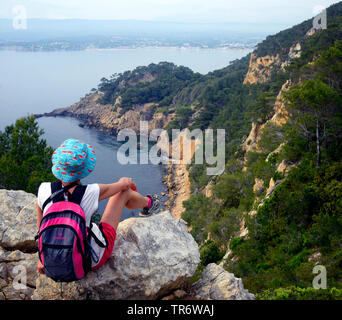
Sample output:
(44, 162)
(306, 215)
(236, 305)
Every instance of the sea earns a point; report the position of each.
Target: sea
(39, 82)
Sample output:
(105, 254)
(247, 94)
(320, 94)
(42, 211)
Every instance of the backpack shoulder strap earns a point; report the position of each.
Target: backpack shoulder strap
(56, 186)
(58, 194)
(77, 195)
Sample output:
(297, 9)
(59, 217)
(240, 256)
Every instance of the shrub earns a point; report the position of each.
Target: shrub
(210, 253)
(296, 293)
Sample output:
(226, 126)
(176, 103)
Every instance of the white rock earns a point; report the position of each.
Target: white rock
(218, 284)
(151, 257)
(17, 274)
(18, 219)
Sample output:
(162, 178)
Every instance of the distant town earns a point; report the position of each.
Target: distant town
(120, 43)
(68, 35)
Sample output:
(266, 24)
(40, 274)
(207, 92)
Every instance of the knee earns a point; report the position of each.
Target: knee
(122, 195)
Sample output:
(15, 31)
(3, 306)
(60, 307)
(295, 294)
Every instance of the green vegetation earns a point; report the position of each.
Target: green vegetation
(210, 253)
(281, 42)
(25, 159)
(227, 103)
(295, 293)
(157, 83)
(302, 217)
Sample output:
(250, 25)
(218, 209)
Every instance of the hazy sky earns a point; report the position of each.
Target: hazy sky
(285, 12)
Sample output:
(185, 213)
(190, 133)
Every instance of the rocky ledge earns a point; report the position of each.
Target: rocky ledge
(153, 258)
(111, 118)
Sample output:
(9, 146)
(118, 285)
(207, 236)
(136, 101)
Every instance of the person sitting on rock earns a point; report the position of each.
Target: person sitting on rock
(72, 161)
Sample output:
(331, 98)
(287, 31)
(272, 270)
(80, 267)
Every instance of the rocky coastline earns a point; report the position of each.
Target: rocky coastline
(92, 114)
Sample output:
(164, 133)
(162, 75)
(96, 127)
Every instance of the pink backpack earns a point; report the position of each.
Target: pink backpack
(63, 245)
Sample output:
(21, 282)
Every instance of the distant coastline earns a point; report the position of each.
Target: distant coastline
(252, 47)
(30, 47)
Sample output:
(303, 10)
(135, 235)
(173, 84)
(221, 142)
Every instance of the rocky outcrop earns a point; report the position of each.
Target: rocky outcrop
(18, 221)
(178, 188)
(281, 115)
(260, 68)
(151, 258)
(283, 169)
(111, 118)
(218, 284)
(14, 267)
(17, 231)
(208, 189)
(251, 143)
(276, 151)
(258, 187)
(279, 118)
(177, 179)
(271, 187)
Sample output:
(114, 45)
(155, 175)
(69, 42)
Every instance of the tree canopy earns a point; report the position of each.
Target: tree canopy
(25, 158)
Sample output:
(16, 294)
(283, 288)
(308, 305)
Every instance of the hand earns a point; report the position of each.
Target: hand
(125, 183)
(134, 187)
(40, 267)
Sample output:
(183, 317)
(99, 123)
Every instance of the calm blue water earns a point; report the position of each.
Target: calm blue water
(107, 170)
(38, 82)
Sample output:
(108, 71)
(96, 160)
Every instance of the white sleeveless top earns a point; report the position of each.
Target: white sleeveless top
(89, 203)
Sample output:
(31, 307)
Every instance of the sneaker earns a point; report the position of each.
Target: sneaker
(154, 208)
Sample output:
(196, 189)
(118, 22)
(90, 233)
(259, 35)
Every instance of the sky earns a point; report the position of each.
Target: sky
(282, 12)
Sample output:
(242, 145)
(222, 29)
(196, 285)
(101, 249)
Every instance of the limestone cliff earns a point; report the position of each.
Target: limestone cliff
(279, 118)
(271, 60)
(177, 179)
(260, 68)
(111, 118)
(251, 144)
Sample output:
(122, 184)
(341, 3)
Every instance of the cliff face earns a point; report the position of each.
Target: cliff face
(177, 178)
(152, 257)
(260, 68)
(109, 118)
(251, 144)
(279, 118)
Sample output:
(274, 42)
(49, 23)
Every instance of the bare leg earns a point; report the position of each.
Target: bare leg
(130, 199)
(136, 200)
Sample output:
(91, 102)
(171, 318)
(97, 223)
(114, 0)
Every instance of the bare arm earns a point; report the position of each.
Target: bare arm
(109, 190)
(39, 266)
(39, 216)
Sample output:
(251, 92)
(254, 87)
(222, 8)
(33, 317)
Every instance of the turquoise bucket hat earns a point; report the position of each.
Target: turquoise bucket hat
(73, 160)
